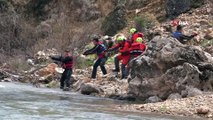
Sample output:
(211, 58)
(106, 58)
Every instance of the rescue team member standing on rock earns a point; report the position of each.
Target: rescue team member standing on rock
(123, 45)
(178, 34)
(137, 48)
(67, 63)
(135, 34)
(99, 49)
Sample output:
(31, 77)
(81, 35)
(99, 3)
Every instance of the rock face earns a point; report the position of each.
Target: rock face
(115, 21)
(169, 67)
(176, 7)
(131, 4)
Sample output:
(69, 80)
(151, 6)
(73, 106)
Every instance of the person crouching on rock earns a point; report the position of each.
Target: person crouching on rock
(123, 45)
(99, 49)
(178, 34)
(67, 64)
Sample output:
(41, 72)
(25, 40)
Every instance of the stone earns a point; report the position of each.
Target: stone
(192, 92)
(203, 110)
(174, 96)
(153, 99)
(87, 89)
(209, 36)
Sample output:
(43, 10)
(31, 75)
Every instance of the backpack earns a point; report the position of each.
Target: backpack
(102, 47)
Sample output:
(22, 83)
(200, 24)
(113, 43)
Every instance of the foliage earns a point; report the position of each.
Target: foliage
(163, 108)
(144, 22)
(18, 63)
(38, 8)
(4, 5)
(206, 42)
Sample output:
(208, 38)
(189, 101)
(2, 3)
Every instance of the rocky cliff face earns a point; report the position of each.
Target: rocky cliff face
(169, 67)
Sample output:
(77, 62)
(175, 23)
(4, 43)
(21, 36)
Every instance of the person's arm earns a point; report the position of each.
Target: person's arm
(113, 48)
(125, 48)
(66, 59)
(91, 51)
(56, 58)
(185, 37)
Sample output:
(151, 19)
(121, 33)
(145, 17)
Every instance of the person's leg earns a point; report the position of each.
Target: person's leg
(63, 77)
(123, 71)
(116, 62)
(125, 61)
(95, 66)
(68, 75)
(103, 69)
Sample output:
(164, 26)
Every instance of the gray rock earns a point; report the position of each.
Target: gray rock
(153, 99)
(88, 89)
(174, 96)
(176, 7)
(115, 21)
(167, 67)
(192, 92)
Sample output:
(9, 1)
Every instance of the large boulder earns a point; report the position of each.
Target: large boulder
(115, 21)
(176, 7)
(167, 67)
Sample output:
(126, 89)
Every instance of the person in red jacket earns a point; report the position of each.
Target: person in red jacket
(67, 64)
(135, 34)
(123, 45)
(137, 48)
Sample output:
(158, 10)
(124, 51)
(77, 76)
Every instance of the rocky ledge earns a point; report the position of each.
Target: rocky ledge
(200, 107)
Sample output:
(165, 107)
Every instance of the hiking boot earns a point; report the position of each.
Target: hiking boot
(61, 87)
(104, 76)
(66, 89)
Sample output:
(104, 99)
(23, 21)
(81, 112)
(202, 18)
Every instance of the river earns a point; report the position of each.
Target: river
(24, 102)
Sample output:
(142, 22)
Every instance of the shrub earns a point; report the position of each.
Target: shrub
(144, 22)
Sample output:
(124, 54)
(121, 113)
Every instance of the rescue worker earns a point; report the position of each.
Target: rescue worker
(135, 34)
(108, 42)
(123, 45)
(137, 48)
(178, 34)
(67, 64)
(99, 49)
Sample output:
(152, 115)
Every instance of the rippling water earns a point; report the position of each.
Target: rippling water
(24, 102)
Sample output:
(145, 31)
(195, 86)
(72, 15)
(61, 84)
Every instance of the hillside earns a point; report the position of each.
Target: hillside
(36, 24)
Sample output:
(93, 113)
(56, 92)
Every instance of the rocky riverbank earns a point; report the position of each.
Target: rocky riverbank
(199, 106)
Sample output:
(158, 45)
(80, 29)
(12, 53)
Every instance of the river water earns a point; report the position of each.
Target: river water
(24, 102)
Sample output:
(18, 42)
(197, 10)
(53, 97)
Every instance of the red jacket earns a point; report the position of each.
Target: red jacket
(67, 61)
(136, 35)
(137, 49)
(123, 47)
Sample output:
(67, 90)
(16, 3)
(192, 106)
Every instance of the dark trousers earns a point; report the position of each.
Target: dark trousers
(100, 62)
(124, 69)
(65, 78)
